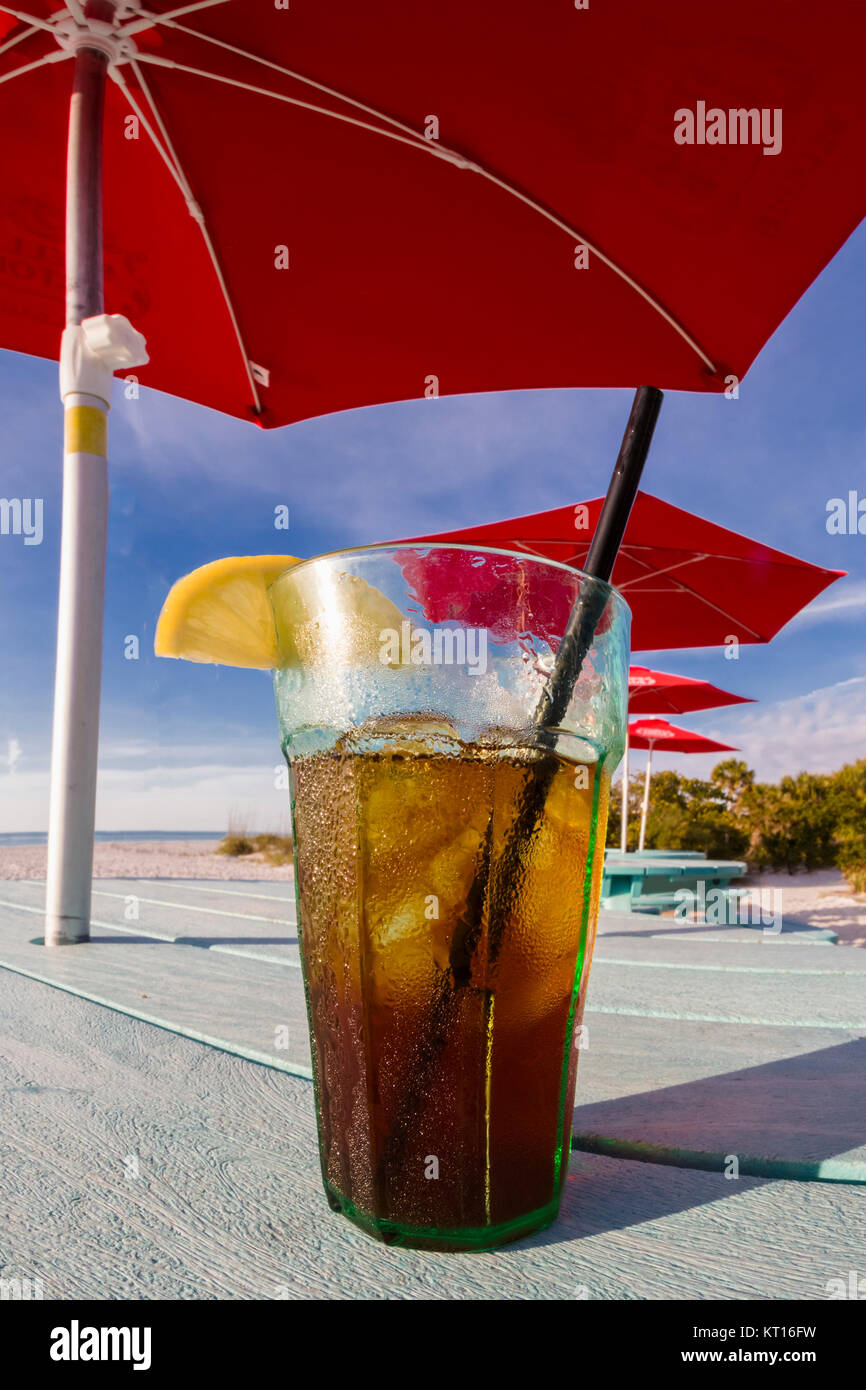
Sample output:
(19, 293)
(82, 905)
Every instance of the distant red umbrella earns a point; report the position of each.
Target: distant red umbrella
(688, 582)
(645, 733)
(648, 733)
(656, 691)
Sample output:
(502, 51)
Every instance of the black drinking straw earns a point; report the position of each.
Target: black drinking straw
(609, 532)
(556, 696)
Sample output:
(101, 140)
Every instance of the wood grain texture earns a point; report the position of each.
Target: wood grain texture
(227, 1202)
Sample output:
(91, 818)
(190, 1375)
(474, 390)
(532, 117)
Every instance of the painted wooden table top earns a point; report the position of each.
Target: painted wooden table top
(671, 865)
(178, 1036)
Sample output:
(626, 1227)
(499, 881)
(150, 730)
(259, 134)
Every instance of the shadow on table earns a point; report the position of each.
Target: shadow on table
(801, 1109)
(208, 941)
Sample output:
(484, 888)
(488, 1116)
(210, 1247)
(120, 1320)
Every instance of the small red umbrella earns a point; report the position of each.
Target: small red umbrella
(655, 691)
(688, 582)
(647, 733)
(650, 691)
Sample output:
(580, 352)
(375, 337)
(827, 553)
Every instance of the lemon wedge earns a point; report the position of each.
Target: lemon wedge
(221, 613)
(327, 618)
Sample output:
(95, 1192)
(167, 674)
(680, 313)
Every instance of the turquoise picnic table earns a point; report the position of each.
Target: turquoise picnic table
(649, 881)
(158, 1139)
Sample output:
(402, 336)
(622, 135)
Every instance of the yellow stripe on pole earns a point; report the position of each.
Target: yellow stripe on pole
(86, 430)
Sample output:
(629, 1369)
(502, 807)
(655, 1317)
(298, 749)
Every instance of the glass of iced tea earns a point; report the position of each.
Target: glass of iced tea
(448, 860)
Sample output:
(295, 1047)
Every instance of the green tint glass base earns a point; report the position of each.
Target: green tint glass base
(466, 1239)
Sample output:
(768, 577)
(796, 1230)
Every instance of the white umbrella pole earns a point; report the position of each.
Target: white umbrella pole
(624, 833)
(85, 523)
(646, 795)
(93, 346)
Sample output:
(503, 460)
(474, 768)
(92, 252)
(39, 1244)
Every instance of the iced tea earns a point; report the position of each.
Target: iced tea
(444, 989)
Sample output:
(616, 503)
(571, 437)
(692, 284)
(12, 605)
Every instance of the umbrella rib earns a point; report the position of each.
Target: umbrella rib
(30, 19)
(415, 142)
(687, 588)
(53, 56)
(148, 18)
(169, 155)
(418, 142)
(293, 73)
(653, 573)
(17, 38)
(633, 284)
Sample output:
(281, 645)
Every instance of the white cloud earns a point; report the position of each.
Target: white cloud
(846, 600)
(13, 756)
(818, 732)
(202, 796)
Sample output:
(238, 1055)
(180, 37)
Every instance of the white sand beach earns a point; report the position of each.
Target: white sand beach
(821, 899)
(150, 859)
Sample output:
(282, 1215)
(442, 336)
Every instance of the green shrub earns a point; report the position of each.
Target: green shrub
(806, 822)
(235, 845)
(276, 849)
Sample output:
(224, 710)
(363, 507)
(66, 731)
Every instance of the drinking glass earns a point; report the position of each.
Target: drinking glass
(448, 861)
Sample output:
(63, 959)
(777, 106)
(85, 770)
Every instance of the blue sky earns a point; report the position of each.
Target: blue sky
(186, 747)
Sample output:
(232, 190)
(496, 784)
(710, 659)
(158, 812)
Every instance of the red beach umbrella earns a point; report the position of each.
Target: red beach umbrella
(650, 691)
(688, 582)
(316, 207)
(647, 733)
(368, 205)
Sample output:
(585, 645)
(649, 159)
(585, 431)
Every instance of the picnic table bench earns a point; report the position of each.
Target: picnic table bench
(650, 880)
(158, 1136)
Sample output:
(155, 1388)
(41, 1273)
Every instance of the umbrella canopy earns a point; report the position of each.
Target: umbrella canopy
(385, 206)
(669, 738)
(646, 733)
(650, 691)
(688, 582)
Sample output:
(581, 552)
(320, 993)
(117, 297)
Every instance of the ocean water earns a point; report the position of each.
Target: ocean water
(40, 837)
